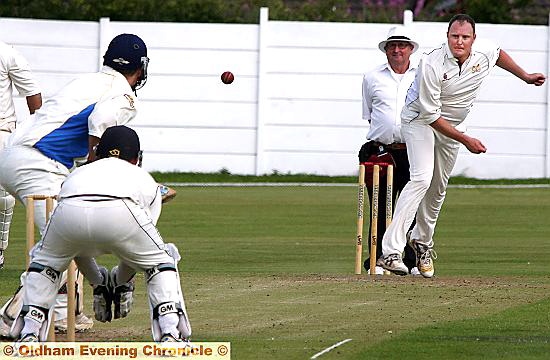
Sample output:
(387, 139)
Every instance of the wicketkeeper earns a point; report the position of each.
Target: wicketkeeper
(108, 206)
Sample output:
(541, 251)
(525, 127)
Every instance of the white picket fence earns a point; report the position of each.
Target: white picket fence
(295, 105)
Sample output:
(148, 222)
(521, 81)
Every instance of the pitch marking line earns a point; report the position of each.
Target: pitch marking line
(330, 348)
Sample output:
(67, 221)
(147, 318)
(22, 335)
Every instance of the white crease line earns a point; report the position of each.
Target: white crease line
(330, 348)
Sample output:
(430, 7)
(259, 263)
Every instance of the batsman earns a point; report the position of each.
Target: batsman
(42, 151)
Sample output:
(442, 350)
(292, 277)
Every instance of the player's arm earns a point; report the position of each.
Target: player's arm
(24, 81)
(34, 102)
(92, 143)
(367, 99)
(506, 62)
(472, 144)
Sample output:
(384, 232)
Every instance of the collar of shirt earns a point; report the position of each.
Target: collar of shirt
(109, 70)
(386, 66)
(450, 57)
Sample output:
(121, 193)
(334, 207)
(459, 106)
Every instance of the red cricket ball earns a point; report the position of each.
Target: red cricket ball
(227, 77)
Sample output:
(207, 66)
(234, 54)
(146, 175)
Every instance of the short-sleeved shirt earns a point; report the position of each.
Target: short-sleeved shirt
(86, 106)
(441, 88)
(384, 94)
(14, 72)
(114, 178)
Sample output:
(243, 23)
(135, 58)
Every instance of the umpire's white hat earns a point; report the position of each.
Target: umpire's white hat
(399, 33)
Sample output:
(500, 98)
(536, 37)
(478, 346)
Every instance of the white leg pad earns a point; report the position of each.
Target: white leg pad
(12, 307)
(41, 285)
(32, 313)
(7, 203)
(166, 297)
(40, 290)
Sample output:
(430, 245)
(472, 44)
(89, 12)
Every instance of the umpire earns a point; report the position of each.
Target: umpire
(384, 90)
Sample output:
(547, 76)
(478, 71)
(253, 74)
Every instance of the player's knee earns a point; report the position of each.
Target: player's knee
(41, 285)
(167, 270)
(421, 183)
(45, 271)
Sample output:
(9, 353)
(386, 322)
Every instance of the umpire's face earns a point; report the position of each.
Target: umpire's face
(398, 53)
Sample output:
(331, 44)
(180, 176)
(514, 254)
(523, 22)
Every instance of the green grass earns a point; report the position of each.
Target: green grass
(271, 271)
(509, 334)
(225, 176)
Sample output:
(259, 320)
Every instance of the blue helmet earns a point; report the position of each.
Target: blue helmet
(127, 53)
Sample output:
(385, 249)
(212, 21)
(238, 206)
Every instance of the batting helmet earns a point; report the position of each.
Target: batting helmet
(119, 141)
(127, 53)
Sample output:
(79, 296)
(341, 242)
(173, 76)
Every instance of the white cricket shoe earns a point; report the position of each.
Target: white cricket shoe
(393, 263)
(425, 256)
(378, 270)
(82, 323)
(30, 337)
(169, 338)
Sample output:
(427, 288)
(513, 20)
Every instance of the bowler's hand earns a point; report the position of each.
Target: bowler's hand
(537, 79)
(474, 145)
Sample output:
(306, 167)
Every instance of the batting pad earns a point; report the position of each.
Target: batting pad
(7, 203)
(165, 297)
(32, 313)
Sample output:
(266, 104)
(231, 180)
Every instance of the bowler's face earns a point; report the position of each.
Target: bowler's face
(461, 38)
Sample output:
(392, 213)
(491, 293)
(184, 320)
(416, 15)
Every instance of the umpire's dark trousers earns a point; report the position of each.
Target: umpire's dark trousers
(400, 178)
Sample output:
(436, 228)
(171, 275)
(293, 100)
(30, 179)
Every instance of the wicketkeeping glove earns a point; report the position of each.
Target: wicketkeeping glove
(167, 193)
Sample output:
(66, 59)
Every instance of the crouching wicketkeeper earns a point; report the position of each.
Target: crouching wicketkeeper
(107, 206)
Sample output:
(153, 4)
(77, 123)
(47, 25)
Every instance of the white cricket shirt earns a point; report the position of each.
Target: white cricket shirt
(113, 177)
(14, 72)
(86, 106)
(384, 94)
(443, 89)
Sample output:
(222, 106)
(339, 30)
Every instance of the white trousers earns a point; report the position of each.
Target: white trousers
(26, 171)
(80, 228)
(432, 157)
(85, 228)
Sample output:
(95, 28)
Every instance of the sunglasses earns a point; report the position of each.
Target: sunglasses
(397, 44)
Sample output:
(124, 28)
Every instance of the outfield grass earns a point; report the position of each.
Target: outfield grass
(271, 270)
(224, 176)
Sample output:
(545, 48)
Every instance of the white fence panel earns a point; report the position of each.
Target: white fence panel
(295, 104)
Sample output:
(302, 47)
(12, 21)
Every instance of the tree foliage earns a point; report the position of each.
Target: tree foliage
(247, 11)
